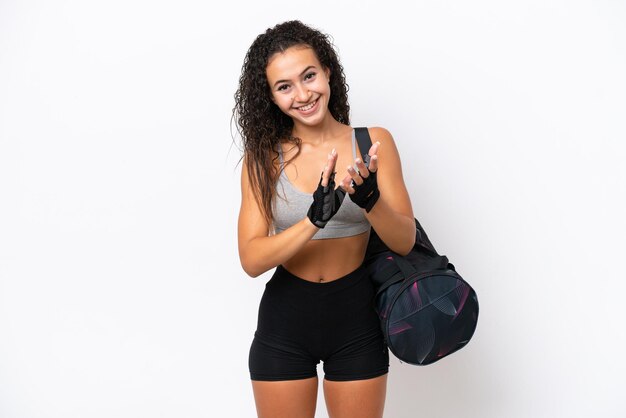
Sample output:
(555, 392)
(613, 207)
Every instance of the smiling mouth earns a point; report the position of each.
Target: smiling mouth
(307, 107)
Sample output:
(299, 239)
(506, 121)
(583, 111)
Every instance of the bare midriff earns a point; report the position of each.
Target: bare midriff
(325, 260)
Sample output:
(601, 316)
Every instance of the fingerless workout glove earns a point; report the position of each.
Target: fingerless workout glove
(366, 194)
(326, 202)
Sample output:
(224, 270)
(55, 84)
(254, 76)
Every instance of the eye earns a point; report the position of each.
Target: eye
(310, 75)
(283, 87)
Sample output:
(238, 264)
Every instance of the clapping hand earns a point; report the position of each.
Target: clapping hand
(326, 200)
(361, 183)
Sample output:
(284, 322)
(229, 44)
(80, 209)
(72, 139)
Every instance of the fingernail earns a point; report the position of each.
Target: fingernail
(333, 152)
(378, 142)
(358, 160)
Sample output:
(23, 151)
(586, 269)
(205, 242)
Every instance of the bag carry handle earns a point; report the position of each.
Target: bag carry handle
(435, 263)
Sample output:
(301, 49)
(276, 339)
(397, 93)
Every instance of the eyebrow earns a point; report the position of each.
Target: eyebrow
(304, 71)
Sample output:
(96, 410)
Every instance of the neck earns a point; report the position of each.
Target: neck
(319, 134)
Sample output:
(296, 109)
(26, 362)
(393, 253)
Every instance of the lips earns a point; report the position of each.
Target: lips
(308, 108)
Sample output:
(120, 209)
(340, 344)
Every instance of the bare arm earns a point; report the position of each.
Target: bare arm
(259, 252)
(392, 215)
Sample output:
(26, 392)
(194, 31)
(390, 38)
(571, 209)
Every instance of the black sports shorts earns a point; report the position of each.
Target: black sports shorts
(302, 322)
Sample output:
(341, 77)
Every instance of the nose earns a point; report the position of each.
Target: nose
(302, 94)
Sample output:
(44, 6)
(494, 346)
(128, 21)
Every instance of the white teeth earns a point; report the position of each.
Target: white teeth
(307, 107)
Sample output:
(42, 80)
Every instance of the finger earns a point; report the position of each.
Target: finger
(373, 164)
(332, 162)
(360, 165)
(346, 184)
(329, 167)
(340, 193)
(354, 176)
(374, 149)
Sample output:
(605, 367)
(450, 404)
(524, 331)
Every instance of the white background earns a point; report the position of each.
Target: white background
(121, 292)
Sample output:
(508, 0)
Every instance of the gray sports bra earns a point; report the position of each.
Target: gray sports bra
(291, 205)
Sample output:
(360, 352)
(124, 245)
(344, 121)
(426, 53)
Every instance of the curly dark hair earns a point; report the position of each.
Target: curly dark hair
(261, 124)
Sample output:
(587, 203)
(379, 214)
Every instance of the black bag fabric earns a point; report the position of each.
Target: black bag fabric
(427, 310)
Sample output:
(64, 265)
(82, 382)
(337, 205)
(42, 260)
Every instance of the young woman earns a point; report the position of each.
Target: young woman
(296, 216)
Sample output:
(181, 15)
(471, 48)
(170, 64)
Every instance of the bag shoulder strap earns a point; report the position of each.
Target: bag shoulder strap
(365, 143)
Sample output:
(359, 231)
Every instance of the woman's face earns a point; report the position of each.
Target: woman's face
(299, 84)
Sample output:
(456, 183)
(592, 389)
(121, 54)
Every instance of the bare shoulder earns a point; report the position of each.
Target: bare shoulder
(382, 135)
(378, 133)
(388, 146)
